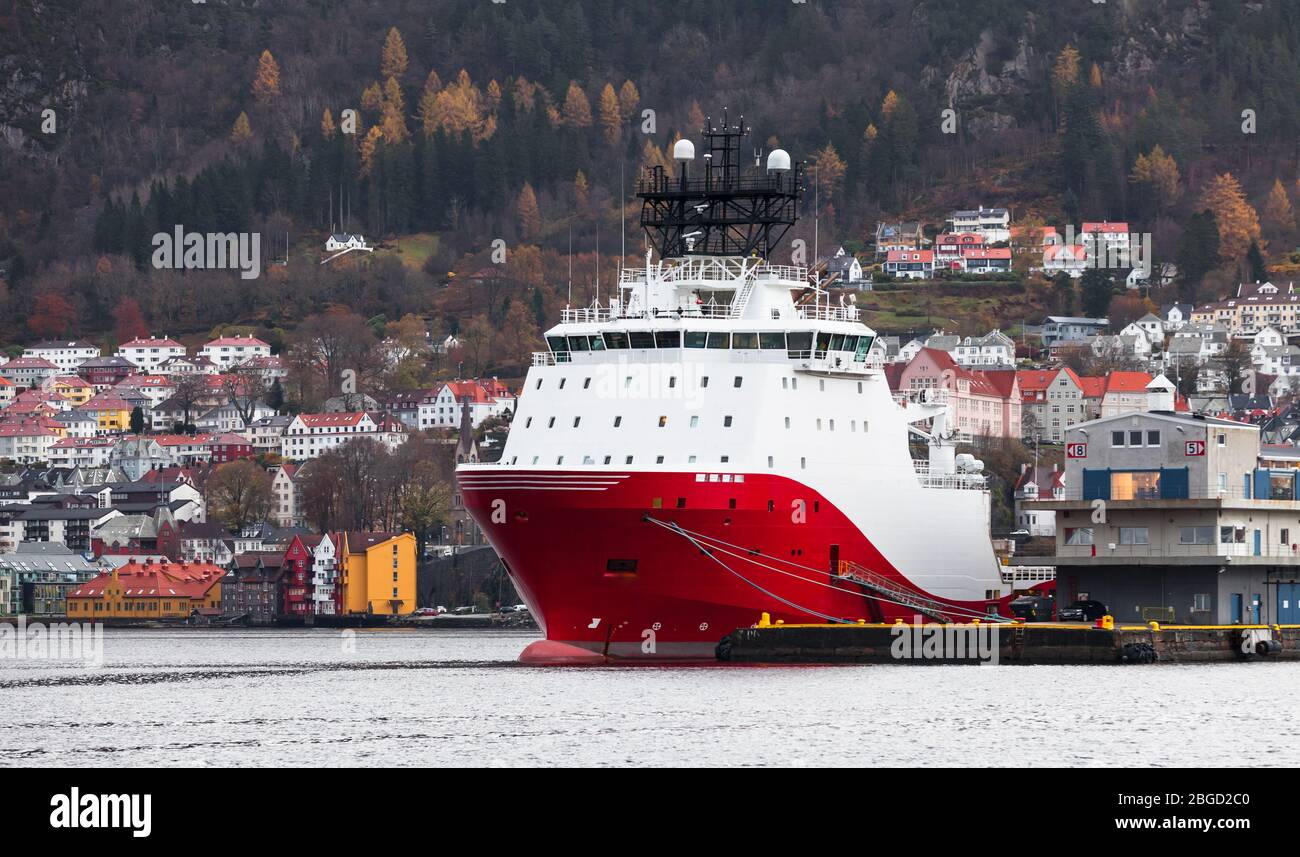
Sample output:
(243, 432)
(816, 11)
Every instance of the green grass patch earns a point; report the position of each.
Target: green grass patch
(416, 249)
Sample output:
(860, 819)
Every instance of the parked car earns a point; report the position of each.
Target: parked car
(426, 611)
(464, 611)
(1032, 608)
(1020, 535)
(1082, 611)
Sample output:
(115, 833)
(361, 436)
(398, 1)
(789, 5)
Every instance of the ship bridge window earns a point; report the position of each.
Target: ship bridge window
(837, 342)
(557, 344)
(668, 338)
(696, 338)
(642, 339)
(719, 340)
(864, 348)
(744, 340)
(578, 343)
(616, 339)
(800, 341)
(771, 341)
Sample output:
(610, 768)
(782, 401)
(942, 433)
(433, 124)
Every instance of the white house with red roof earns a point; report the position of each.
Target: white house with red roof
(27, 441)
(227, 351)
(8, 390)
(29, 371)
(1038, 483)
(912, 264)
(156, 388)
(982, 260)
(82, 451)
(185, 449)
(487, 397)
(949, 246)
(1107, 237)
(1126, 393)
(1071, 259)
(149, 354)
(310, 435)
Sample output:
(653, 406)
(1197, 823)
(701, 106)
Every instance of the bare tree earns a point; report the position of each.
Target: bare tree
(239, 493)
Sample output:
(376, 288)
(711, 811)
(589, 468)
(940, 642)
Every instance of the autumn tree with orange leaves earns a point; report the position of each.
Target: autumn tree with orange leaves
(266, 82)
(1238, 223)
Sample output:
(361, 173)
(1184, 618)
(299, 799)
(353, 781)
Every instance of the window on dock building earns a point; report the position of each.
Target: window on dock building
(1140, 485)
(1078, 535)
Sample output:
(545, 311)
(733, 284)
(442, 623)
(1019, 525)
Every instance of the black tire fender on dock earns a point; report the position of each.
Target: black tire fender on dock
(1138, 653)
(1264, 648)
(723, 650)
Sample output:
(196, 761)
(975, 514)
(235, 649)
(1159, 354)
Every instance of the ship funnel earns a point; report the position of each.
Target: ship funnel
(684, 150)
(778, 161)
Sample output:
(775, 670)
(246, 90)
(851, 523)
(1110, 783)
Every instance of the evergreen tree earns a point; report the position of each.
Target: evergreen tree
(275, 395)
(137, 420)
(1255, 261)
(1096, 291)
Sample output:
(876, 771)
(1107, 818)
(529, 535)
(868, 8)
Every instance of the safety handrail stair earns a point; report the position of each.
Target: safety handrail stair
(855, 573)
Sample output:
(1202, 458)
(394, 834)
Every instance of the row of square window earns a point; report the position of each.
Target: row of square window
(659, 459)
(787, 383)
(695, 422)
(1134, 438)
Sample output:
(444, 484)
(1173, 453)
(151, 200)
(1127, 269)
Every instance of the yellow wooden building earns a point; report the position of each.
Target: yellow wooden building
(377, 573)
(149, 590)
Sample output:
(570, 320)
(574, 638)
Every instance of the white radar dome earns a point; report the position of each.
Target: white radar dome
(778, 161)
(683, 150)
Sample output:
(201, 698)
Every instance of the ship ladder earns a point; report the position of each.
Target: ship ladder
(742, 294)
(870, 580)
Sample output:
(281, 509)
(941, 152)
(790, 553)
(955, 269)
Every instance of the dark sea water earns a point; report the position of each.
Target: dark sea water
(439, 698)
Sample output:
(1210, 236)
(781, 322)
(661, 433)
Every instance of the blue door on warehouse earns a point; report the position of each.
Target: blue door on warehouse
(1236, 608)
(1288, 611)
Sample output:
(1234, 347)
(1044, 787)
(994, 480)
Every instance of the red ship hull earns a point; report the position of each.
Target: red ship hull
(597, 562)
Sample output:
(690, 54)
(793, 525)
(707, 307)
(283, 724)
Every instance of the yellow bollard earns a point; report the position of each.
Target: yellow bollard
(1154, 626)
(1108, 623)
(765, 620)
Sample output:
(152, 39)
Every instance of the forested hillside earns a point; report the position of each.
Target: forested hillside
(521, 120)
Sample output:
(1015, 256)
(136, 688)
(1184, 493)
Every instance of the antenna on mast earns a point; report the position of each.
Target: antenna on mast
(569, 299)
(622, 215)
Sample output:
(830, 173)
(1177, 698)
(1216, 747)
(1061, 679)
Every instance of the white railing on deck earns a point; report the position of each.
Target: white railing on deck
(829, 313)
(1027, 574)
(709, 270)
(593, 314)
(967, 481)
(924, 396)
(824, 363)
